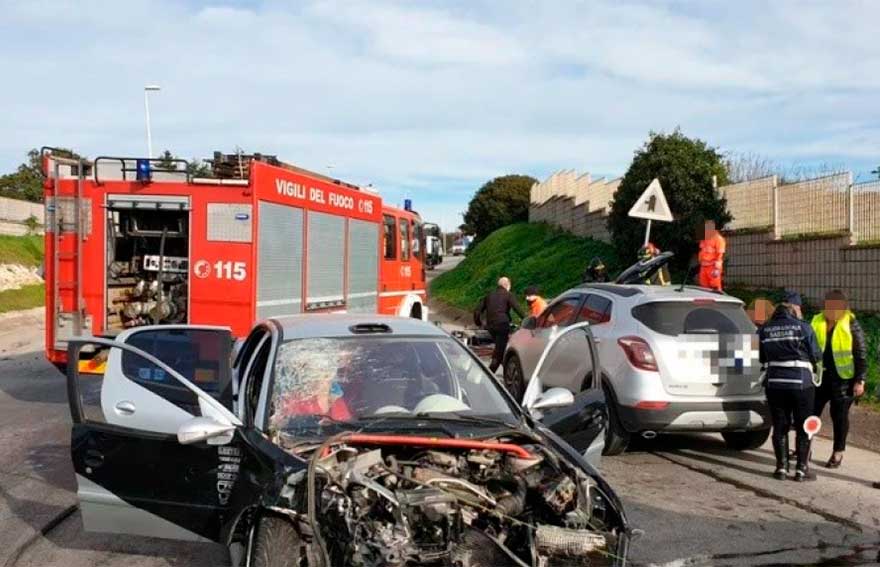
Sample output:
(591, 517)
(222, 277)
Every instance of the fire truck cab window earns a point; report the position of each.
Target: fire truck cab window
(389, 238)
(404, 240)
(417, 240)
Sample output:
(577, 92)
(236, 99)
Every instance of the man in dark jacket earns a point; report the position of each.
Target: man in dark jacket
(493, 314)
(844, 364)
(790, 352)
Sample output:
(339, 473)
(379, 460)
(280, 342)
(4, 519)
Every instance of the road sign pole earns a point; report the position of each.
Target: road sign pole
(648, 233)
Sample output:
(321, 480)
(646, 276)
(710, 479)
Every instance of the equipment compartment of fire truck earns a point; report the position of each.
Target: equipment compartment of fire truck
(136, 241)
(147, 263)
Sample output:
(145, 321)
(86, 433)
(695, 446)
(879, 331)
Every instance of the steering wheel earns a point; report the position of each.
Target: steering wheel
(440, 403)
(391, 409)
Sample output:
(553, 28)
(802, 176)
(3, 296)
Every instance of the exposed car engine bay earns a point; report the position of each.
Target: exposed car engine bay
(401, 504)
(147, 266)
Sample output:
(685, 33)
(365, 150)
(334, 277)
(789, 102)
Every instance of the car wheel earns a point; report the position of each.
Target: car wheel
(513, 377)
(276, 544)
(745, 440)
(616, 437)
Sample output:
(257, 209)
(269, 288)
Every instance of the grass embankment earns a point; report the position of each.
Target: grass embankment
(26, 297)
(554, 260)
(25, 251)
(529, 254)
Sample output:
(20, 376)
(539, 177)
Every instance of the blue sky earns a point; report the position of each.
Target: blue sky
(431, 99)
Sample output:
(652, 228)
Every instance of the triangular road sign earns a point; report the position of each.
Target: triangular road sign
(652, 204)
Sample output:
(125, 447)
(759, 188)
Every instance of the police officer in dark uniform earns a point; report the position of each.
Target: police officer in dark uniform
(790, 353)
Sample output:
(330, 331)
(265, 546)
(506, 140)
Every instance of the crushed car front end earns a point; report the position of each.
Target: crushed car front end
(404, 499)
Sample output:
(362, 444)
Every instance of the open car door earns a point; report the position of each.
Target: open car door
(570, 360)
(134, 476)
(642, 271)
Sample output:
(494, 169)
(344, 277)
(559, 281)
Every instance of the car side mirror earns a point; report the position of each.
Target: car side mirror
(529, 323)
(205, 429)
(552, 398)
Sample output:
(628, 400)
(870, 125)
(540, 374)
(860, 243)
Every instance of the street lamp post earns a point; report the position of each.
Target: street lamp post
(147, 90)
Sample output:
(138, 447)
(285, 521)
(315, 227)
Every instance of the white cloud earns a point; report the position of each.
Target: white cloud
(435, 98)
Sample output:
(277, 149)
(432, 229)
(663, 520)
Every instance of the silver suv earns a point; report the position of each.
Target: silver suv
(673, 359)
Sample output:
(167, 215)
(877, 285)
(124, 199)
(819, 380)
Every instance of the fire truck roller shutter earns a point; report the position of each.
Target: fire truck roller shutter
(326, 261)
(279, 260)
(363, 266)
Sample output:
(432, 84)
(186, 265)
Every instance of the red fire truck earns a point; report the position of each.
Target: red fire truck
(134, 241)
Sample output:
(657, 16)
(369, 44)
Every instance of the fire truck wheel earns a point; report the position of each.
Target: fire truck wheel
(416, 311)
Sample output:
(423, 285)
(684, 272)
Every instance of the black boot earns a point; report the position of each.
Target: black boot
(802, 470)
(780, 448)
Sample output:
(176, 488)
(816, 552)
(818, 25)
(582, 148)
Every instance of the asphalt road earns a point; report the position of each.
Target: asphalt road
(697, 502)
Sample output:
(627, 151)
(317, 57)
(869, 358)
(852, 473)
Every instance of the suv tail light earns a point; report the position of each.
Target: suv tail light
(639, 353)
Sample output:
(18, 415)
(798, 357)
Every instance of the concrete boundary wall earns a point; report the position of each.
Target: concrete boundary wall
(810, 266)
(14, 214)
(575, 203)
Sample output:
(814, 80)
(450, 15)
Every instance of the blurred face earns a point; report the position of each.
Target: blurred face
(530, 298)
(834, 310)
(761, 311)
(709, 229)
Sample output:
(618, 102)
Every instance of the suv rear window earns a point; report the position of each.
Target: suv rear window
(683, 317)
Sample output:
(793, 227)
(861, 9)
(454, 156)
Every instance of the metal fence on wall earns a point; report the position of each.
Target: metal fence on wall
(752, 202)
(814, 206)
(866, 211)
(823, 206)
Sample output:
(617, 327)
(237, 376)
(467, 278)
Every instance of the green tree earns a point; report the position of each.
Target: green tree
(685, 167)
(32, 224)
(166, 161)
(199, 168)
(194, 167)
(26, 182)
(500, 202)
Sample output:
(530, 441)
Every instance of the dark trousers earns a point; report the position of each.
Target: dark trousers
(840, 394)
(500, 335)
(787, 408)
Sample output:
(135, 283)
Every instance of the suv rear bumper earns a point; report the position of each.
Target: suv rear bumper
(746, 415)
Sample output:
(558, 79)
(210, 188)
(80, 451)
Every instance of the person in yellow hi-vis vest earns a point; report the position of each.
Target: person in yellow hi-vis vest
(844, 363)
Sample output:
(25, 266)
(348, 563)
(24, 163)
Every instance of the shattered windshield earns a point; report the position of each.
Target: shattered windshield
(350, 379)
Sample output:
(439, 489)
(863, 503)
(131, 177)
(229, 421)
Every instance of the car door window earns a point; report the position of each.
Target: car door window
(135, 392)
(256, 374)
(199, 355)
(560, 313)
(596, 310)
(569, 361)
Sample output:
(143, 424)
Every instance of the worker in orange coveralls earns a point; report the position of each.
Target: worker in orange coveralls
(712, 249)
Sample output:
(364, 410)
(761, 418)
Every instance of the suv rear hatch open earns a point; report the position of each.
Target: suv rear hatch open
(703, 346)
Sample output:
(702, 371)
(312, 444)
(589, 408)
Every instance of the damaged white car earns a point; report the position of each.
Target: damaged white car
(339, 440)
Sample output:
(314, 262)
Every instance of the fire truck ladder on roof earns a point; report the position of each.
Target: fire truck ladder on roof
(67, 324)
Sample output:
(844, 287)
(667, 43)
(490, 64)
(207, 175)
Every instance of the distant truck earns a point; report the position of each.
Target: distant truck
(458, 247)
(433, 245)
